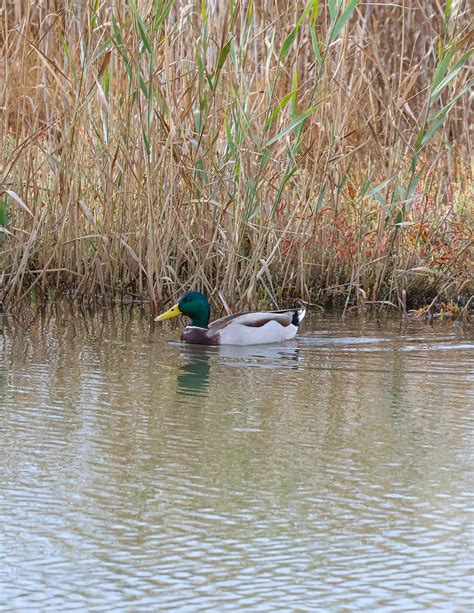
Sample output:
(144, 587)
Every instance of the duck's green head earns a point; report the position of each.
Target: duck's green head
(193, 304)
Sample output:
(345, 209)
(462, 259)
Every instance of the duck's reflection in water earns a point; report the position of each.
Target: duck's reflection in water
(261, 356)
(193, 377)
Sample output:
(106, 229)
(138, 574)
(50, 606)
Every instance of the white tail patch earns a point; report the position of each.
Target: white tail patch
(301, 313)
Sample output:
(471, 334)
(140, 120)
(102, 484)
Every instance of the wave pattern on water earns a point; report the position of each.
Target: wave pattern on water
(331, 473)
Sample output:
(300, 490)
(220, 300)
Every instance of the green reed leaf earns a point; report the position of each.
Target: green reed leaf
(288, 42)
(4, 221)
(276, 112)
(295, 123)
(333, 10)
(343, 19)
(440, 85)
(161, 13)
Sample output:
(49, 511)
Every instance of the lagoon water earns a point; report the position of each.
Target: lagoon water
(331, 473)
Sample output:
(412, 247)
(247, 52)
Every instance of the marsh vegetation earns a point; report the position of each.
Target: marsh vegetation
(269, 150)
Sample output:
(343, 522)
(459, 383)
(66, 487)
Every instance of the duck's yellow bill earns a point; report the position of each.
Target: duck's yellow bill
(173, 312)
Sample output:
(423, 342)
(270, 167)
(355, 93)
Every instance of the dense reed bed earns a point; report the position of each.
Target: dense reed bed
(269, 150)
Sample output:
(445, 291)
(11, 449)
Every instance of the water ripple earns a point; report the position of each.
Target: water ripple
(333, 473)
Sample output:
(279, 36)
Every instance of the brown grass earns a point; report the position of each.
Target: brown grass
(261, 149)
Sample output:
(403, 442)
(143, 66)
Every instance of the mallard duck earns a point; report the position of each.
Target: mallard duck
(238, 329)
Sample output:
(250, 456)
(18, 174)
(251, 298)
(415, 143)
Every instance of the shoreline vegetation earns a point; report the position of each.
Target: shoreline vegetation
(260, 151)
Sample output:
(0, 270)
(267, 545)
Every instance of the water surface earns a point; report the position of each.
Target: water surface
(329, 473)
